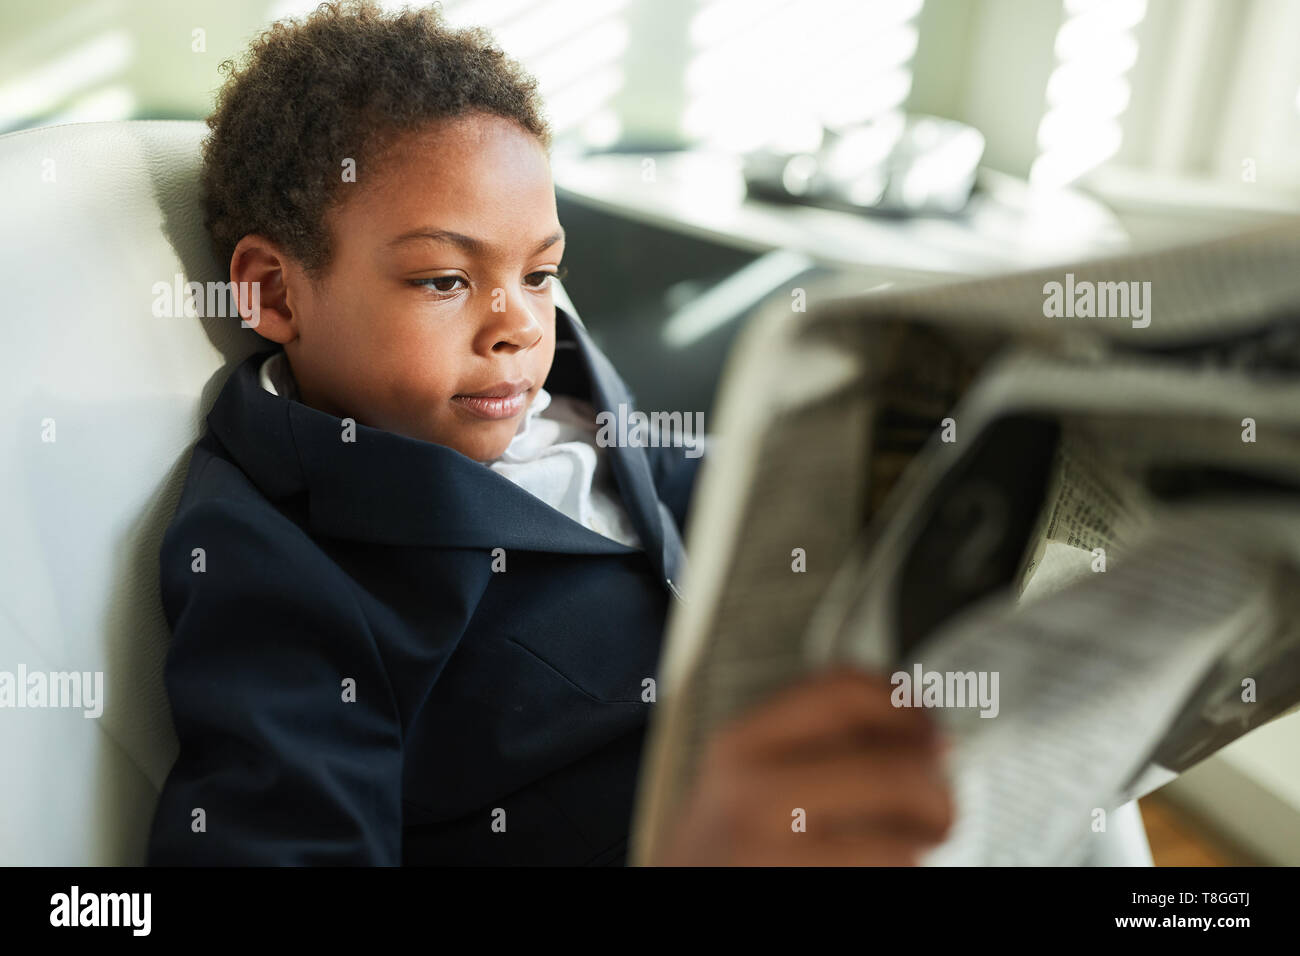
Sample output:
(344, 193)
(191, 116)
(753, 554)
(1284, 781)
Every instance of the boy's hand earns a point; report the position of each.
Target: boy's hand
(866, 773)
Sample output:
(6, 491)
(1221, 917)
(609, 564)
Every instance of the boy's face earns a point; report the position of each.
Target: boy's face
(438, 289)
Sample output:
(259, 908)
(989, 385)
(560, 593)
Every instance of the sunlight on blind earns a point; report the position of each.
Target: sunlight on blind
(773, 72)
(573, 47)
(77, 73)
(1088, 91)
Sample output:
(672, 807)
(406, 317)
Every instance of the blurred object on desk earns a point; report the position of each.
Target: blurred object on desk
(1007, 224)
(894, 164)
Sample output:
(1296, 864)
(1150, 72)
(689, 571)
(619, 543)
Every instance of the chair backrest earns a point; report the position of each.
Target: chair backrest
(104, 385)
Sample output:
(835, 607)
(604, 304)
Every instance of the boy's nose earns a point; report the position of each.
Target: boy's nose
(512, 328)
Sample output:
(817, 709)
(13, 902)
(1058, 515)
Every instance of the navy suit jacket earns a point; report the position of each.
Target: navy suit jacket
(480, 696)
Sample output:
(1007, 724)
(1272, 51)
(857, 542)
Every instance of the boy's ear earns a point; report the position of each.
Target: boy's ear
(259, 269)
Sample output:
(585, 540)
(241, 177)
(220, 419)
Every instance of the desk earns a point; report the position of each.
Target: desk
(668, 257)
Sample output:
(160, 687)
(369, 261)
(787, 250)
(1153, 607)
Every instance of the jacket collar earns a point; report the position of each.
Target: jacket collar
(391, 489)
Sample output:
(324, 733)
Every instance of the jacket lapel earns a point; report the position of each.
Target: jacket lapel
(391, 489)
(654, 523)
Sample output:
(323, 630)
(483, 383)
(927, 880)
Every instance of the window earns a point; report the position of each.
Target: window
(774, 68)
(575, 49)
(1088, 91)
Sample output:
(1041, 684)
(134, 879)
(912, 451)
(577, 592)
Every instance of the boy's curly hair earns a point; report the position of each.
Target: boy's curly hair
(341, 83)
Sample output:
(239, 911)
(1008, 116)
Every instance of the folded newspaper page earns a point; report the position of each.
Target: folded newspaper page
(1075, 529)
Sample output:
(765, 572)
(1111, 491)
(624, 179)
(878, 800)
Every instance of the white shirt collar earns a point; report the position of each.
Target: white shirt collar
(553, 456)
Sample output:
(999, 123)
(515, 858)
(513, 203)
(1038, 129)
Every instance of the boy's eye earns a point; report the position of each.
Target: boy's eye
(433, 282)
(543, 279)
(535, 280)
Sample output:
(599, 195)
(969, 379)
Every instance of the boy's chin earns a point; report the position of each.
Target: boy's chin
(478, 440)
(483, 451)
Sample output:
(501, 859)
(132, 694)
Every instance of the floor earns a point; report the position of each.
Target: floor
(1178, 838)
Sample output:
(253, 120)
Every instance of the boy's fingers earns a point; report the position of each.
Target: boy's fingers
(876, 845)
(843, 703)
(852, 790)
(861, 848)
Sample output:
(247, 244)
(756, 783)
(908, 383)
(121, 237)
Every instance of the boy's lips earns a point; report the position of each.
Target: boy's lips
(503, 400)
(500, 389)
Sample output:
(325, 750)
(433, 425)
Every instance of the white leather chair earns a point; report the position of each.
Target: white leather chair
(94, 214)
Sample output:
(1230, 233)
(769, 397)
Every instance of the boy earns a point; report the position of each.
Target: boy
(404, 630)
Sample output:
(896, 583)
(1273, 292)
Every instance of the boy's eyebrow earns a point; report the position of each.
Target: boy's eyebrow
(476, 247)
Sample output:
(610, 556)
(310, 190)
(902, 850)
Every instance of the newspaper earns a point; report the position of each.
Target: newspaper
(969, 486)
